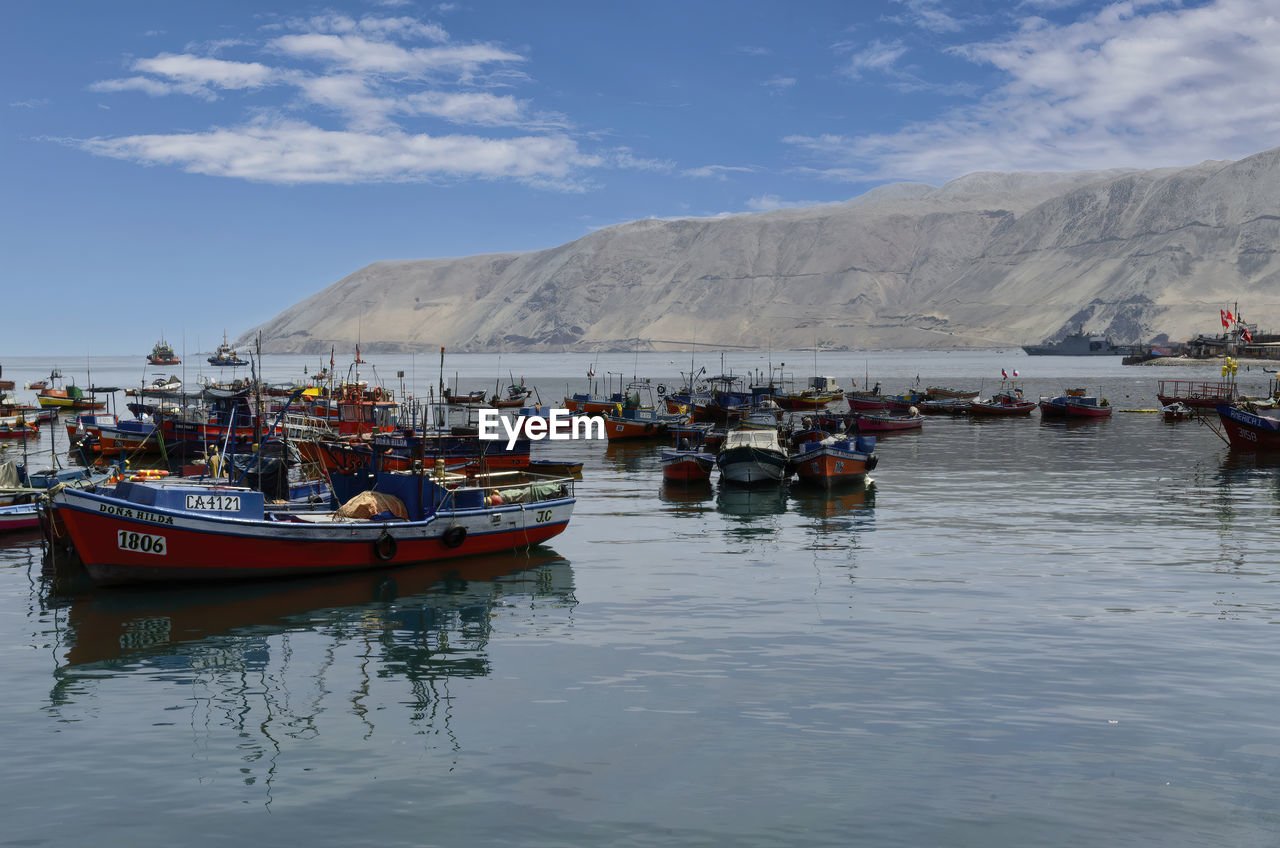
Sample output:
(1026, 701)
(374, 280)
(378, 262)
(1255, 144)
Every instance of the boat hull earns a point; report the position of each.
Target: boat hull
(888, 423)
(1000, 410)
(687, 466)
(110, 535)
(830, 466)
(751, 466)
(18, 517)
(1247, 431)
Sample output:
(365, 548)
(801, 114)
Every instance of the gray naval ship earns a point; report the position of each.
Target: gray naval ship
(1078, 344)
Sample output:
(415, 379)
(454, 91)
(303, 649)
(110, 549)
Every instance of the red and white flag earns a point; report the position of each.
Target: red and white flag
(1015, 372)
(1248, 337)
(1003, 374)
(1230, 317)
(1223, 316)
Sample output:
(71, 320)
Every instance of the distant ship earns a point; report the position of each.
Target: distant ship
(1078, 344)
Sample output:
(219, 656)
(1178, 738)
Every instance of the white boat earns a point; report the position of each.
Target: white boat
(752, 456)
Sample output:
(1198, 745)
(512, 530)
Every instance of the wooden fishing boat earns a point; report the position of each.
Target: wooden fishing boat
(637, 424)
(1087, 406)
(835, 461)
(554, 466)
(688, 461)
(1197, 394)
(162, 354)
(475, 398)
(1074, 404)
(1007, 403)
(946, 393)
(752, 456)
(19, 517)
(159, 387)
(945, 406)
(18, 427)
(1249, 427)
(638, 416)
(70, 397)
(686, 466)
(820, 392)
(1176, 411)
(887, 422)
(179, 531)
(517, 394)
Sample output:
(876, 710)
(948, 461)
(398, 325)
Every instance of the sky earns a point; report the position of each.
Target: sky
(190, 169)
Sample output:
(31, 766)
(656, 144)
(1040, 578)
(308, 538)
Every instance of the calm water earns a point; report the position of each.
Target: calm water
(1029, 634)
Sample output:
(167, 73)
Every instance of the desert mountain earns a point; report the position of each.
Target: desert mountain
(989, 259)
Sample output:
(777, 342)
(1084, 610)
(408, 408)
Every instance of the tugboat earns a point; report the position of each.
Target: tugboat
(226, 354)
(162, 354)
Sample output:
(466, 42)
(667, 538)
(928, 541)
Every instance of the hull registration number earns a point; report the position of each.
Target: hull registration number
(146, 543)
(220, 503)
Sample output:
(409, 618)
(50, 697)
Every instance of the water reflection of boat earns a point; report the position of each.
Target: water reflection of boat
(630, 456)
(110, 625)
(743, 501)
(694, 492)
(817, 503)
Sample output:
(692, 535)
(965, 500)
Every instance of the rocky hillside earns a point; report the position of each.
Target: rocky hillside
(985, 260)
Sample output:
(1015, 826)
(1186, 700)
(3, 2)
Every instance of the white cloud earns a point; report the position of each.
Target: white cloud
(196, 70)
(357, 53)
(292, 152)
(929, 15)
(718, 172)
(877, 56)
(29, 104)
(622, 157)
(1133, 85)
(183, 73)
(779, 84)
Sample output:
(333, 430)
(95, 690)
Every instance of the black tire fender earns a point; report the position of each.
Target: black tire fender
(384, 547)
(454, 536)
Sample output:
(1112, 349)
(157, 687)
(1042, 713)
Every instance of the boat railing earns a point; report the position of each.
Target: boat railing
(301, 427)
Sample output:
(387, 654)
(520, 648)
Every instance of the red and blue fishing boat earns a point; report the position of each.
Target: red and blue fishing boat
(18, 427)
(1074, 404)
(835, 461)
(1006, 403)
(688, 461)
(177, 531)
(1249, 427)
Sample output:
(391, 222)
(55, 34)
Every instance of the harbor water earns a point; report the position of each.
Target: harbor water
(1025, 632)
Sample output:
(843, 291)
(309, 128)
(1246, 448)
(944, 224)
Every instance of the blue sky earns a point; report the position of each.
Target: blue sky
(187, 168)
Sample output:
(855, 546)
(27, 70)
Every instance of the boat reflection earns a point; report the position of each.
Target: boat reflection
(747, 502)
(819, 503)
(685, 494)
(632, 456)
(140, 625)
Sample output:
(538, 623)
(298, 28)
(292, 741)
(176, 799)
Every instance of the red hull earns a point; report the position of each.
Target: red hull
(687, 469)
(624, 428)
(199, 550)
(1079, 411)
(829, 469)
(996, 410)
(888, 423)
